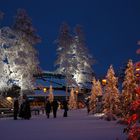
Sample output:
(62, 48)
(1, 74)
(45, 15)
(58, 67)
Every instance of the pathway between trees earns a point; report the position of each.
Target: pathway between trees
(78, 126)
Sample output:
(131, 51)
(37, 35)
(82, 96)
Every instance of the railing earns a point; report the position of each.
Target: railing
(6, 112)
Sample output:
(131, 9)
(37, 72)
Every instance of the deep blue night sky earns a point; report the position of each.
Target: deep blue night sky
(112, 28)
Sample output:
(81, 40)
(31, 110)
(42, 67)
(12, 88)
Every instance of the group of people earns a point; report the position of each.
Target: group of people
(23, 110)
(53, 106)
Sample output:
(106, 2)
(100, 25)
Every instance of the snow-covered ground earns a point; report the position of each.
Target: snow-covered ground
(77, 126)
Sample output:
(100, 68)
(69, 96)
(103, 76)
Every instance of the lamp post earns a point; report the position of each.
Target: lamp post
(45, 90)
(104, 82)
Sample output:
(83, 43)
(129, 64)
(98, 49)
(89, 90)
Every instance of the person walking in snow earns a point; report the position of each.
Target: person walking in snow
(65, 107)
(88, 106)
(48, 108)
(16, 108)
(54, 107)
(25, 111)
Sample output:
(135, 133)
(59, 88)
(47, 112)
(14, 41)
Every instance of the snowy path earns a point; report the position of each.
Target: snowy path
(78, 126)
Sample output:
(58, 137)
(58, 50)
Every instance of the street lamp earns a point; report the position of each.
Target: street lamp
(104, 82)
(44, 90)
(76, 91)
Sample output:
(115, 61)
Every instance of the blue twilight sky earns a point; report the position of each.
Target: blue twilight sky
(112, 27)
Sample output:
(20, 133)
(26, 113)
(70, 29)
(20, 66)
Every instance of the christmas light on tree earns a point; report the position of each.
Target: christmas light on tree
(94, 92)
(18, 57)
(129, 85)
(73, 58)
(72, 100)
(51, 96)
(111, 97)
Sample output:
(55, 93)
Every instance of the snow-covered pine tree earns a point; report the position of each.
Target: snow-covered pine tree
(84, 61)
(129, 85)
(94, 92)
(5, 70)
(51, 96)
(73, 59)
(99, 88)
(72, 100)
(99, 96)
(27, 33)
(23, 25)
(111, 95)
(18, 60)
(64, 55)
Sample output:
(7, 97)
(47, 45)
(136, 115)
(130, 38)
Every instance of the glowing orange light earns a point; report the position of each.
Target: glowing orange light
(137, 75)
(44, 90)
(137, 69)
(9, 98)
(104, 82)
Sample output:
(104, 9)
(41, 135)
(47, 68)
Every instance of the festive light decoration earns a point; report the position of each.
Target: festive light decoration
(18, 58)
(23, 25)
(72, 100)
(137, 72)
(44, 90)
(96, 91)
(51, 96)
(73, 59)
(111, 96)
(9, 98)
(129, 85)
(104, 82)
(133, 129)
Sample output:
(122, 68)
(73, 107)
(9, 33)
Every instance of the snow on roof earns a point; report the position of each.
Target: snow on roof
(55, 92)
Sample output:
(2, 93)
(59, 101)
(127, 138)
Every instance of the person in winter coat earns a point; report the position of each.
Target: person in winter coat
(65, 107)
(88, 106)
(54, 107)
(48, 108)
(16, 108)
(25, 111)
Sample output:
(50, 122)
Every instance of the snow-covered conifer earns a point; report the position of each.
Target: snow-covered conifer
(111, 96)
(23, 25)
(72, 100)
(92, 102)
(73, 59)
(51, 96)
(129, 85)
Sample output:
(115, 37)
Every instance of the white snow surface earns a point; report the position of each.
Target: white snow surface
(77, 126)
